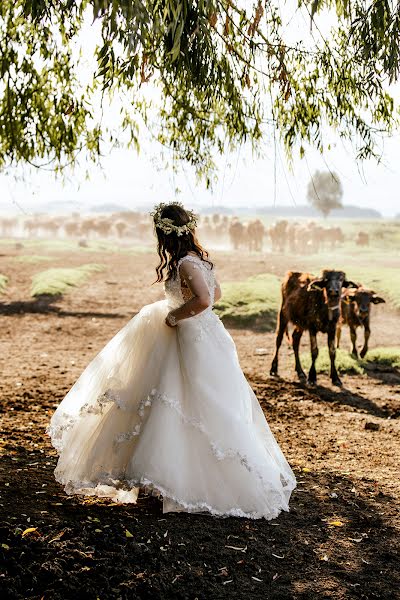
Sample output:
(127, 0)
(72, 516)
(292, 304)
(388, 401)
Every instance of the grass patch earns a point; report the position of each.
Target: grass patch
(3, 283)
(386, 357)
(250, 303)
(346, 363)
(59, 281)
(69, 245)
(33, 258)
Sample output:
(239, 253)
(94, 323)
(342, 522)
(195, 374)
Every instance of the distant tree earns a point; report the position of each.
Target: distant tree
(325, 192)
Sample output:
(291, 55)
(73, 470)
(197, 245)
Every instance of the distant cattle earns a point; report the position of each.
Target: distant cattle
(236, 233)
(333, 237)
(310, 304)
(278, 235)
(255, 235)
(362, 239)
(304, 238)
(72, 228)
(356, 312)
(120, 227)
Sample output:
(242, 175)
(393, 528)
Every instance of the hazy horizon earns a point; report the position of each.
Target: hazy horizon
(132, 180)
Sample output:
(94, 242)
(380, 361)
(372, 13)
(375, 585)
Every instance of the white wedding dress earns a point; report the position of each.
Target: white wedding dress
(169, 410)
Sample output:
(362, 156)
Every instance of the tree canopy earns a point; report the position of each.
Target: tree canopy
(325, 192)
(223, 70)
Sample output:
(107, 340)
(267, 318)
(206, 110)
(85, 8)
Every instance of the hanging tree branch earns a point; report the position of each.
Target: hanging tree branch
(221, 67)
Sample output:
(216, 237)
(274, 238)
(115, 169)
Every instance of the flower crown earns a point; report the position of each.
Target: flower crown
(167, 226)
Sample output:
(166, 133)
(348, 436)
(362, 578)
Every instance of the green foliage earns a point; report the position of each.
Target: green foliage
(224, 70)
(325, 192)
(44, 114)
(346, 363)
(33, 258)
(3, 283)
(58, 281)
(250, 303)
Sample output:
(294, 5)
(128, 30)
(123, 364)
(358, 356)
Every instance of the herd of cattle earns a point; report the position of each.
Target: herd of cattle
(131, 225)
(309, 304)
(217, 230)
(323, 304)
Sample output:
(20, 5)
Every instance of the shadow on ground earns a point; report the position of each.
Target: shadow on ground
(339, 396)
(333, 544)
(44, 304)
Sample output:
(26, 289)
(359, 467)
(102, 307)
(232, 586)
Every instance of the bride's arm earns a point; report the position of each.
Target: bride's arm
(193, 277)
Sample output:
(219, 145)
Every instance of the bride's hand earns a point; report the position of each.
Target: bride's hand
(170, 320)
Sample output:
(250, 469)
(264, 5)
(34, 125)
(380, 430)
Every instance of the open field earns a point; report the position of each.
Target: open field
(341, 537)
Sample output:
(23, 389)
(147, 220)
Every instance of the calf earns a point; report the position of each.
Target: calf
(314, 305)
(356, 312)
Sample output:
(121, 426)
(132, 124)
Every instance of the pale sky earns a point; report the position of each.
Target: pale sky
(132, 180)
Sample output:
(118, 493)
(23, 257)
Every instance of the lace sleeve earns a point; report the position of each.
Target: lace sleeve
(192, 273)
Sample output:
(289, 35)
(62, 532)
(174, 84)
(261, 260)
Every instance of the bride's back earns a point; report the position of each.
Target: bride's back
(177, 292)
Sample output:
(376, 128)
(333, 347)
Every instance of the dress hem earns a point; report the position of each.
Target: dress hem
(90, 488)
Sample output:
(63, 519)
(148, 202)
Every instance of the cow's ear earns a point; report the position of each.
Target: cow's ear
(350, 293)
(317, 284)
(377, 299)
(349, 284)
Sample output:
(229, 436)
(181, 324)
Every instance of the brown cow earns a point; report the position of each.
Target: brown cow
(362, 239)
(356, 312)
(314, 305)
(255, 235)
(278, 235)
(236, 233)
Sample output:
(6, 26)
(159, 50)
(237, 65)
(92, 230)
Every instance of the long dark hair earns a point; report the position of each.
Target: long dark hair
(172, 247)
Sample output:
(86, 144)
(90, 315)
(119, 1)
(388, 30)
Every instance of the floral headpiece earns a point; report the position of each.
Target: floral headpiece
(167, 226)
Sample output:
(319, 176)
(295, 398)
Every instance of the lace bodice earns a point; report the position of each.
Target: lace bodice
(177, 295)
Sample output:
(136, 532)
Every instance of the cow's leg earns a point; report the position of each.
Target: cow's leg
(312, 375)
(367, 333)
(280, 332)
(296, 337)
(332, 355)
(353, 336)
(338, 335)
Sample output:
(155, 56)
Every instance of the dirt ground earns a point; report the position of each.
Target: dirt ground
(340, 539)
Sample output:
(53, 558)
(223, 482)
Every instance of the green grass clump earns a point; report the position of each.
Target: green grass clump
(72, 245)
(59, 281)
(33, 258)
(3, 283)
(387, 357)
(347, 363)
(250, 303)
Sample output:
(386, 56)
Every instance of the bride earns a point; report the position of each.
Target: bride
(165, 405)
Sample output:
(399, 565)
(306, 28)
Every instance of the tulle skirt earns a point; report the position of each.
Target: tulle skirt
(171, 411)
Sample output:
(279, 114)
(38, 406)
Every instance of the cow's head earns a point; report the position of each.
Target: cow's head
(331, 283)
(362, 299)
